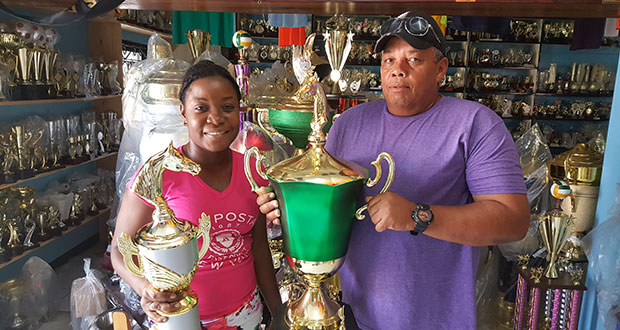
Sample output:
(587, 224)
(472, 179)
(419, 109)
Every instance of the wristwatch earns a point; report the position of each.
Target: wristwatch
(422, 216)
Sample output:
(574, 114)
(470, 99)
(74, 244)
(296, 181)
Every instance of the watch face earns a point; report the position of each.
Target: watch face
(424, 215)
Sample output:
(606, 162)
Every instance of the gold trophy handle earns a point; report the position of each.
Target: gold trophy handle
(128, 249)
(204, 228)
(373, 182)
(246, 167)
(267, 128)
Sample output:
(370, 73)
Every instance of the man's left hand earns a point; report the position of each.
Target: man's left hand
(390, 211)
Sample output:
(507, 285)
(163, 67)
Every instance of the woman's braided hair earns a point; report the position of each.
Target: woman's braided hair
(205, 69)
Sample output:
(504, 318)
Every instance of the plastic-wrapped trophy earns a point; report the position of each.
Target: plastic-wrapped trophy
(338, 40)
(291, 115)
(318, 196)
(553, 228)
(167, 249)
(242, 41)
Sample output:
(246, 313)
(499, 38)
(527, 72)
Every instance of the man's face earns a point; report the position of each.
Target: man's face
(410, 77)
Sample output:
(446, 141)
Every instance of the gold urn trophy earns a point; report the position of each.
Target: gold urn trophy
(318, 196)
(167, 249)
(554, 229)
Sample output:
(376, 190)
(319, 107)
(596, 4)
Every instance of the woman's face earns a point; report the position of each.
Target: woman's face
(211, 112)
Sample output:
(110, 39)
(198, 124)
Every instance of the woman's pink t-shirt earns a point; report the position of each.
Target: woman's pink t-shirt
(225, 278)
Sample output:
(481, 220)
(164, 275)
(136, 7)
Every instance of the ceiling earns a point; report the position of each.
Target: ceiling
(522, 8)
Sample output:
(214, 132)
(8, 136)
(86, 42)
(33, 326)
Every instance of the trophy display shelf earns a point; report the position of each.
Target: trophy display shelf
(541, 300)
(54, 248)
(59, 100)
(65, 168)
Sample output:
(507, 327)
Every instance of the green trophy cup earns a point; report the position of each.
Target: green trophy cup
(318, 196)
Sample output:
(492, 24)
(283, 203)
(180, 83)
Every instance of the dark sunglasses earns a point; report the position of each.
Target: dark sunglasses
(416, 26)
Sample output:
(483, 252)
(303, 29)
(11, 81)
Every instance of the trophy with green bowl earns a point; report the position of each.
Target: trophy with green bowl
(291, 115)
(318, 196)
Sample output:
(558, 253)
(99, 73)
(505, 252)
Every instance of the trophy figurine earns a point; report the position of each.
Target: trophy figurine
(242, 41)
(318, 196)
(554, 227)
(338, 39)
(167, 248)
(198, 42)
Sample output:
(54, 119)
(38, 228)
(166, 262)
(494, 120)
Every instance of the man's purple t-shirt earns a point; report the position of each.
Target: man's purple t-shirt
(456, 149)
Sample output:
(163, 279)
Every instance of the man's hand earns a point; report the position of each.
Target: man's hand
(390, 211)
(154, 300)
(268, 205)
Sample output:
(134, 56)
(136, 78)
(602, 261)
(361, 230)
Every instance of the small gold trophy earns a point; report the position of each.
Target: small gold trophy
(553, 228)
(167, 249)
(198, 42)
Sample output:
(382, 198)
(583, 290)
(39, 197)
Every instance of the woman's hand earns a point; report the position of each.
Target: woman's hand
(154, 300)
(268, 205)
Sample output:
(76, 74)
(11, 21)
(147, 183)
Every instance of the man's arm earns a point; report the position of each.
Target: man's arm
(489, 220)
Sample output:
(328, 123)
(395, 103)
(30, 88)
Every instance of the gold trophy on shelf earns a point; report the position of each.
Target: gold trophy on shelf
(167, 249)
(338, 39)
(198, 42)
(318, 196)
(553, 228)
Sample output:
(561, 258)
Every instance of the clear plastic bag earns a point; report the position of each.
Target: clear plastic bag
(41, 284)
(88, 298)
(601, 246)
(533, 150)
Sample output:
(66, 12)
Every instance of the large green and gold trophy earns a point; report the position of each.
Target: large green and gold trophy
(167, 249)
(318, 196)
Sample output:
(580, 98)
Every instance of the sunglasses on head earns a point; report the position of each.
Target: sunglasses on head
(416, 26)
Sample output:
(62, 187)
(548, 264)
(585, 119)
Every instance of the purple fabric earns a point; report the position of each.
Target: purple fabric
(394, 280)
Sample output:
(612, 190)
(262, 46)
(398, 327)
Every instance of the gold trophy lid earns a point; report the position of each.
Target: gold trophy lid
(164, 234)
(583, 155)
(316, 165)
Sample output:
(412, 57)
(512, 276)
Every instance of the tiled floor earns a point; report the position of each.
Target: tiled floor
(68, 271)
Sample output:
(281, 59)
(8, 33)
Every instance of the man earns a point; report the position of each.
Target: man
(458, 185)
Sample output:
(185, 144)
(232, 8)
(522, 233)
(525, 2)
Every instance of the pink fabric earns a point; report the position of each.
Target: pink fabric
(225, 278)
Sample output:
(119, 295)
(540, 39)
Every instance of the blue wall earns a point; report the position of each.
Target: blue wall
(611, 176)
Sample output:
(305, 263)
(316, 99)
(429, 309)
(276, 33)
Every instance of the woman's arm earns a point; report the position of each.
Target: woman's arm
(263, 265)
(134, 214)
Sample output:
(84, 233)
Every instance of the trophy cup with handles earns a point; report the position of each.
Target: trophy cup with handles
(167, 248)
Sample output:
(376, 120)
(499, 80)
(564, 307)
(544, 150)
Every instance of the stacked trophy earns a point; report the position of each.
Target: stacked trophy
(318, 196)
(338, 39)
(167, 248)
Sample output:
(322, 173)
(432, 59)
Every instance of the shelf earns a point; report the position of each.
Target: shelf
(505, 67)
(499, 41)
(555, 119)
(54, 248)
(67, 100)
(145, 31)
(574, 95)
(498, 93)
(44, 174)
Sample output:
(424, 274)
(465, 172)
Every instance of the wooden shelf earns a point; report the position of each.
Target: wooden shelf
(44, 174)
(67, 100)
(54, 248)
(145, 31)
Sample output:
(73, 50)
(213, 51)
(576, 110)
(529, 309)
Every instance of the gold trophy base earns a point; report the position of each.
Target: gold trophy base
(315, 310)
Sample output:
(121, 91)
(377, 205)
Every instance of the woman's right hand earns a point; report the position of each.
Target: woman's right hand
(154, 300)
(268, 205)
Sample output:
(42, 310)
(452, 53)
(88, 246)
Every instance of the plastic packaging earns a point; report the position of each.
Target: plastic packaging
(88, 298)
(151, 116)
(41, 284)
(601, 246)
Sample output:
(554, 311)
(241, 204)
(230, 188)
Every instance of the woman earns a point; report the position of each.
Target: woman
(238, 262)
